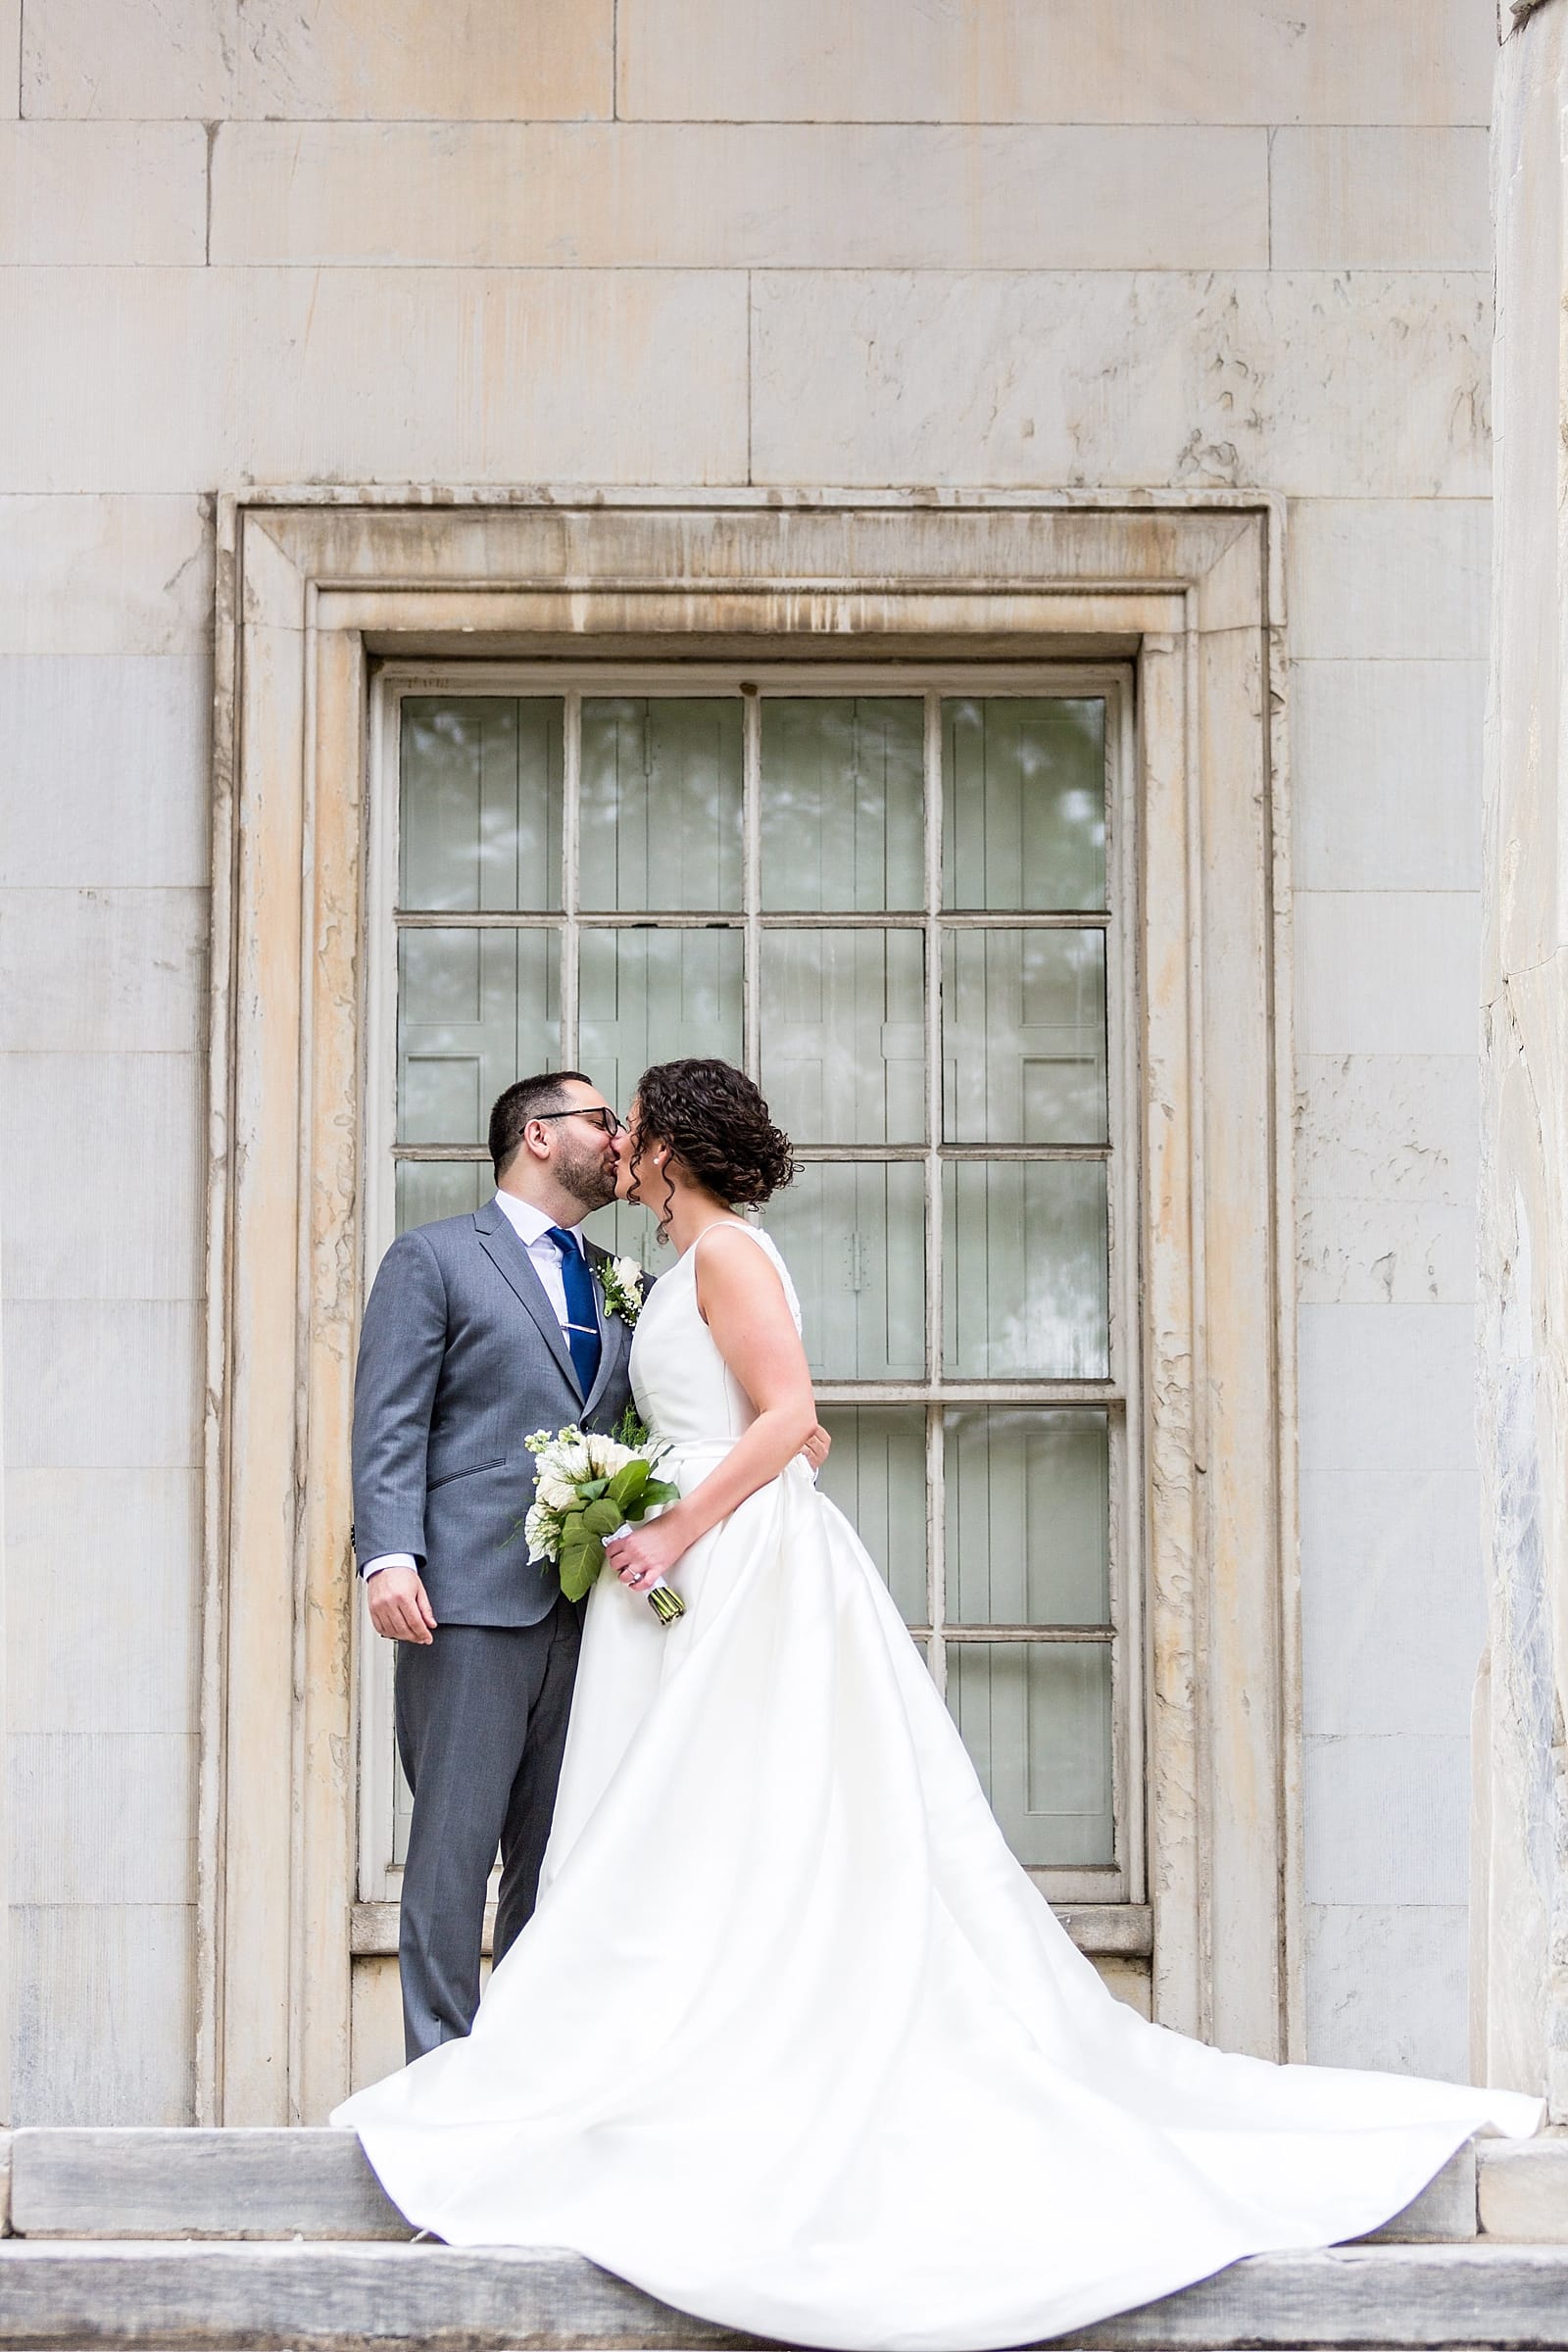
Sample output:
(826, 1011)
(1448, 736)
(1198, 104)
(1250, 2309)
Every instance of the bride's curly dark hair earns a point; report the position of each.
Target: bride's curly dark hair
(715, 1121)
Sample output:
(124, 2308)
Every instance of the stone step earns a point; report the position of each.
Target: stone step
(56, 2296)
(316, 2185)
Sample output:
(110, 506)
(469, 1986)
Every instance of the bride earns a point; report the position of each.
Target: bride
(792, 2042)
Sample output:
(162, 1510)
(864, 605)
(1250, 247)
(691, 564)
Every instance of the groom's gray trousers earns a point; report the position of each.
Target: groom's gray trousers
(461, 1359)
(481, 1723)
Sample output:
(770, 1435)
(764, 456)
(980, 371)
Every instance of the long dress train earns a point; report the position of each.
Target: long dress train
(792, 2042)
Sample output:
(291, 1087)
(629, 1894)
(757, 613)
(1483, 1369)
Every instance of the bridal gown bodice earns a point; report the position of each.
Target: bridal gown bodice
(791, 2041)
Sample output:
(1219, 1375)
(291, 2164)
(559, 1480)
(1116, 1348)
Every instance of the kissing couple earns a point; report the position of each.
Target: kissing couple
(777, 2028)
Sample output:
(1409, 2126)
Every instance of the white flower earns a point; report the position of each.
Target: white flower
(628, 1272)
(542, 1526)
(606, 1457)
(555, 1492)
(569, 1461)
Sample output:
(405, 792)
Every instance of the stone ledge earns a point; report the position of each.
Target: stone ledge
(252, 2298)
(123, 2185)
(1522, 2190)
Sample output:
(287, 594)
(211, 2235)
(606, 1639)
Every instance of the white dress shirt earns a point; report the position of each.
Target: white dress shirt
(531, 1227)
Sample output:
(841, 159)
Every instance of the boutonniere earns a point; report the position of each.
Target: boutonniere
(622, 1281)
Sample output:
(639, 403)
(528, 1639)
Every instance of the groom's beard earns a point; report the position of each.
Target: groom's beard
(589, 1176)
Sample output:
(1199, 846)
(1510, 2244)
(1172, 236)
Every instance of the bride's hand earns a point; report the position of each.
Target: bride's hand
(649, 1553)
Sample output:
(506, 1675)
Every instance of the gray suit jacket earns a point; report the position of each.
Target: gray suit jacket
(461, 1360)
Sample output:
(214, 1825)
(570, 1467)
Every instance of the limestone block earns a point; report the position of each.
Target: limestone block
(1393, 1127)
(1385, 1987)
(80, 59)
(103, 1600)
(103, 2013)
(1129, 1979)
(1392, 1615)
(102, 1817)
(376, 2020)
(141, 1234)
(373, 375)
(1386, 771)
(1316, 386)
(103, 1382)
(126, 192)
(243, 2184)
(85, 972)
(501, 60)
(1523, 2189)
(1088, 61)
(724, 195)
(1445, 2213)
(1380, 199)
(1389, 580)
(1410, 1253)
(204, 60)
(1381, 972)
(1388, 1820)
(1387, 1388)
(105, 575)
(106, 760)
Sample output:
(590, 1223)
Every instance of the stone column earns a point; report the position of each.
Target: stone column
(1520, 1935)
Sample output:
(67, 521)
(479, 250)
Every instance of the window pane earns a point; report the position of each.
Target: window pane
(655, 996)
(844, 1035)
(843, 815)
(876, 1475)
(855, 1238)
(662, 804)
(627, 1231)
(476, 1010)
(481, 805)
(1023, 1020)
(1023, 823)
(1026, 1278)
(1028, 1533)
(427, 1188)
(1036, 1720)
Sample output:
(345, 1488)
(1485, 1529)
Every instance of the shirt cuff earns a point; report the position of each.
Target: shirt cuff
(388, 1559)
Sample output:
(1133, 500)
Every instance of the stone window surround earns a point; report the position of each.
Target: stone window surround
(312, 587)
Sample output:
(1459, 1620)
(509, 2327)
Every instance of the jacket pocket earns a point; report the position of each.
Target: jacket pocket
(466, 1470)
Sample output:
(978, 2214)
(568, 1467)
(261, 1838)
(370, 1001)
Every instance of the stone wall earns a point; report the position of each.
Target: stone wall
(1521, 1898)
(705, 242)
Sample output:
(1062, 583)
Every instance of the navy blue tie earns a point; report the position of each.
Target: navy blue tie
(582, 1324)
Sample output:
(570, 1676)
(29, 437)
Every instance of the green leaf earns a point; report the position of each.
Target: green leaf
(657, 1493)
(602, 1519)
(625, 1488)
(590, 1489)
(580, 1564)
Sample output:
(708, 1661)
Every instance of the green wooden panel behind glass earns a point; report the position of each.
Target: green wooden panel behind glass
(655, 996)
(875, 1473)
(1023, 1028)
(855, 1238)
(1023, 804)
(1026, 1286)
(662, 804)
(476, 1010)
(480, 814)
(1028, 1533)
(844, 1035)
(843, 824)
(1037, 1722)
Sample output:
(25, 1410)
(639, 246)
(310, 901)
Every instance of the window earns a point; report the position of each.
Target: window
(898, 899)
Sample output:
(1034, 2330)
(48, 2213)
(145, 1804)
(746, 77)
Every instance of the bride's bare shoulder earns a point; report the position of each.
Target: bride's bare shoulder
(726, 1269)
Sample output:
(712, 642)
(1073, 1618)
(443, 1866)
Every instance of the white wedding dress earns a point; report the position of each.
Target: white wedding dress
(792, 2042)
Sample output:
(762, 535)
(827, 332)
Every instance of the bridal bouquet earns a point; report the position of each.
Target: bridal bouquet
(590, 1491)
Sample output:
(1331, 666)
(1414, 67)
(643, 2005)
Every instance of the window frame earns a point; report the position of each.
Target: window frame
(312, 586)
(754, 683)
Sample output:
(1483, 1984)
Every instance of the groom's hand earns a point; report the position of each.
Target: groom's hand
(400, 1609)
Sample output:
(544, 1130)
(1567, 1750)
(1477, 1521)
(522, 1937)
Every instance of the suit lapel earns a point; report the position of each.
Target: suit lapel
(499, 1239)
(612, 1334)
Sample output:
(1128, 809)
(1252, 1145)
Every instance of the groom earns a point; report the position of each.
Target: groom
(479, 1331)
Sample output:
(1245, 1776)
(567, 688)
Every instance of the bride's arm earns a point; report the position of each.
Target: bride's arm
(744, 1307)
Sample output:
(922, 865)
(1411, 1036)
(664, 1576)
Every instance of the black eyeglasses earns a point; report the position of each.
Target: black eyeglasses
(601, 1114)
